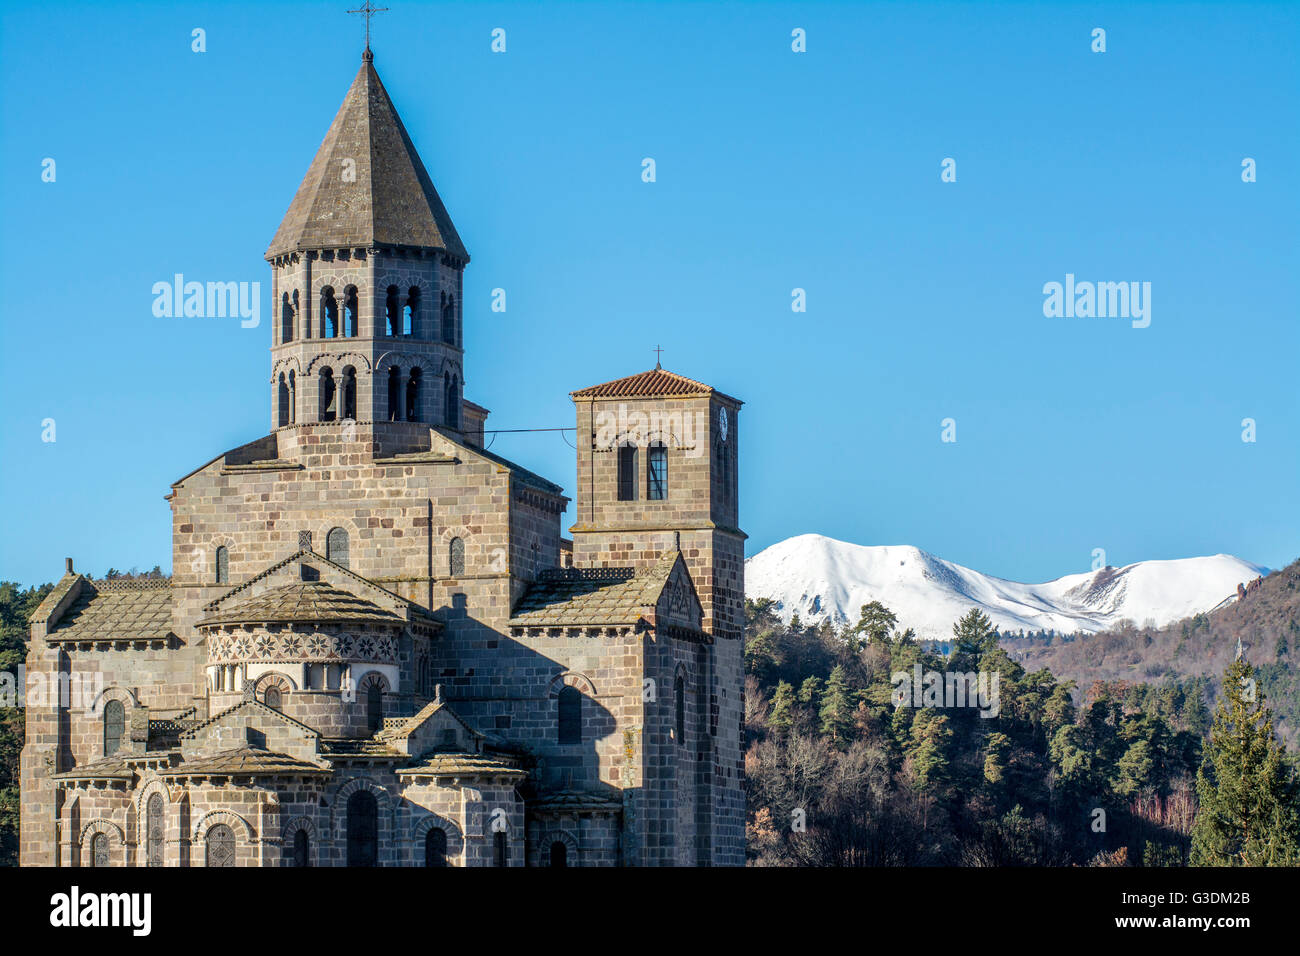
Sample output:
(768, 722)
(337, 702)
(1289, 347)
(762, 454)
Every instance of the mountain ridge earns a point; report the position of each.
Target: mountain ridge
(822, 578)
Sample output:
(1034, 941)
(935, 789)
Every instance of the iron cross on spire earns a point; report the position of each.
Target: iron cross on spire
(368, 10)
(658, 356)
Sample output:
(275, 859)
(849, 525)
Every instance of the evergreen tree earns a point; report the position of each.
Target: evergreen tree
(782, 717)
(875, 622)
(1247, 792)
(837, 711)
(975, 635)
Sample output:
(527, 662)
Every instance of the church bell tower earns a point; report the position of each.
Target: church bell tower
(367, 280)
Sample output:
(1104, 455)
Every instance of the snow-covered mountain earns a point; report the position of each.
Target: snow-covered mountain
(820, 577)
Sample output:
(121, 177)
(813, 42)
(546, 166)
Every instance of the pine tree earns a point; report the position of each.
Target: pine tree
(875, 622)
(975, 635)
(837, 708)
(1249, 811)
(782, 716)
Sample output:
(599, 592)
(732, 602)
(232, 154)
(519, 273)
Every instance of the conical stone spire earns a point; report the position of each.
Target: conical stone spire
(367, 186)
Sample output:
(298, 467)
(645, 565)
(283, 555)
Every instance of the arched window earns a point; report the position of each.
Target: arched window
(223, 565)
(435, 847)
(679, 700)
(375, 707)
(500, 849)
(301, 849)
(293, 397)
(329, 313)
(394, 394)
(410, 314)
(393, 310)
(570, 722)
(559, 853)
(220, 846)
(272, 697)
(350, 312)
(114, 726)
(99, 850)
(282, 401)
(450, 400)
(328, 400)
(336, 546)
(627, 472)
(286, 319)
(449, 320)
(657, 472)
(155, 834)
(413, 396)
(456, 557)
(363, 829)
(349, 392)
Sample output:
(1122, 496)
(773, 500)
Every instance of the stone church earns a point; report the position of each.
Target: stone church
(377, 646)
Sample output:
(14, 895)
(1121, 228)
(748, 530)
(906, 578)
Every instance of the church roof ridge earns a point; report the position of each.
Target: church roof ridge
(653, 383)
(367, 185)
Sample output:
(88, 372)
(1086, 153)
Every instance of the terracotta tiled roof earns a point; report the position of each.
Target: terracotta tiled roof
(389, 201)
(572, 597)
(127, 610)
(302, 601)
(657, 381)
(243, 761)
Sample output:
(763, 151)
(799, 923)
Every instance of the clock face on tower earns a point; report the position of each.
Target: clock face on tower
(722, 423)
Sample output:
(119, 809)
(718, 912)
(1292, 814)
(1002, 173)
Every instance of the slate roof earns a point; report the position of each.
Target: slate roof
(390, 201)
(243, 762)
(107, 768)
(654, 383)
(127, 610)
(302, 601)
(463, 764)
(570, 597)
(574, 801)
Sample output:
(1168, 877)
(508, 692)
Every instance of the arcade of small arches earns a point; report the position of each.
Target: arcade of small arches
(340, 316)
(336, 395)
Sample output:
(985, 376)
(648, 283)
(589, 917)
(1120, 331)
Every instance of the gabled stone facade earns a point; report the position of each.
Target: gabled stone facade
(377, 647)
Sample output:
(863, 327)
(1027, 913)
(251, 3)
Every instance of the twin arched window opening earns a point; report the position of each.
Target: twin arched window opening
(402, 313)
(656, 472)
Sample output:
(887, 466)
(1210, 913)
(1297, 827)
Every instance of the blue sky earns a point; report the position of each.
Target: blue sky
(775, 170)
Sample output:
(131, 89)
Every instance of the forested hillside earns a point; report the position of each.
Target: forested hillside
(839, 776)
(1267, 622)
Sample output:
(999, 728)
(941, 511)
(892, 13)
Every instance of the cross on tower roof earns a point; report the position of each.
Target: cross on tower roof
(368, 10)
(658, 355)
